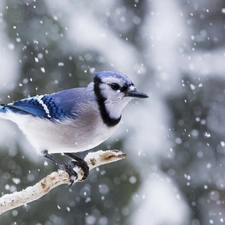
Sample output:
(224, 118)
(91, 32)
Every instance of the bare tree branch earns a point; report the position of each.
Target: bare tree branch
(93, 159)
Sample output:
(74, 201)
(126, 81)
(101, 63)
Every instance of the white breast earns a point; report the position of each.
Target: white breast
(70, 135)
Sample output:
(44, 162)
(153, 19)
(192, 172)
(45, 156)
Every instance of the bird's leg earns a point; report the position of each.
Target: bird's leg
(79, 162)
(68, 168)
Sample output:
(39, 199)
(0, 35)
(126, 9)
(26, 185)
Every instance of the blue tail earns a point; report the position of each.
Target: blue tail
(2, 109)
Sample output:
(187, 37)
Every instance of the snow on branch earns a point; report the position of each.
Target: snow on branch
(93, 159)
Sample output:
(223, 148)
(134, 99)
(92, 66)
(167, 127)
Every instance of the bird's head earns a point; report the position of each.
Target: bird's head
(115, 90)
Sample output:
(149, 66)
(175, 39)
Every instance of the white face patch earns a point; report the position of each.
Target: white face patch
(115, 100)
(132, 87)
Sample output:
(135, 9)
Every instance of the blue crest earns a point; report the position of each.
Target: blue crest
(116, 74)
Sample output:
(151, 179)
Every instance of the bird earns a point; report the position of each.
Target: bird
(73, 120)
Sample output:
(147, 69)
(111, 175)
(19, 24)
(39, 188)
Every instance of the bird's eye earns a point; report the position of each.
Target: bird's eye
(115, 86)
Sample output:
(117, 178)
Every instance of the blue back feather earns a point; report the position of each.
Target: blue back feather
(59, 105)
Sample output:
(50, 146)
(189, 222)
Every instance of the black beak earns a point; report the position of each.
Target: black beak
(136, 94)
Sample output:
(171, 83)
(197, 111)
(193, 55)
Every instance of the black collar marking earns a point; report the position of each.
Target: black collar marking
(110, 122)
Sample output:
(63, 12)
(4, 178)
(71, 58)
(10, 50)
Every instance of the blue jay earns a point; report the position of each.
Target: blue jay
(73, 120)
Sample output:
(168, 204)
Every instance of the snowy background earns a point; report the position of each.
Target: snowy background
(175, 140)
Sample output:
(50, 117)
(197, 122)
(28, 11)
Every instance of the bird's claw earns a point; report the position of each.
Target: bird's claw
(72, 174)
(83, 165)
(69, 168)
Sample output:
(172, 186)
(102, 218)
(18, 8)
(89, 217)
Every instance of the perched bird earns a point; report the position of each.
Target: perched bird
(73, 120)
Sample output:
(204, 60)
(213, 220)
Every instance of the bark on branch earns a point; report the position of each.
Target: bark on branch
(93, 159)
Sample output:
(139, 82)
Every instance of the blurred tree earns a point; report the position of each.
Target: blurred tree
(175, 141)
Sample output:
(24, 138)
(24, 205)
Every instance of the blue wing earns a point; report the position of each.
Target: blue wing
(59, 105)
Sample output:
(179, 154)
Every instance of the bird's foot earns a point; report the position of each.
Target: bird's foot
(69, 167)
(76, 161)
